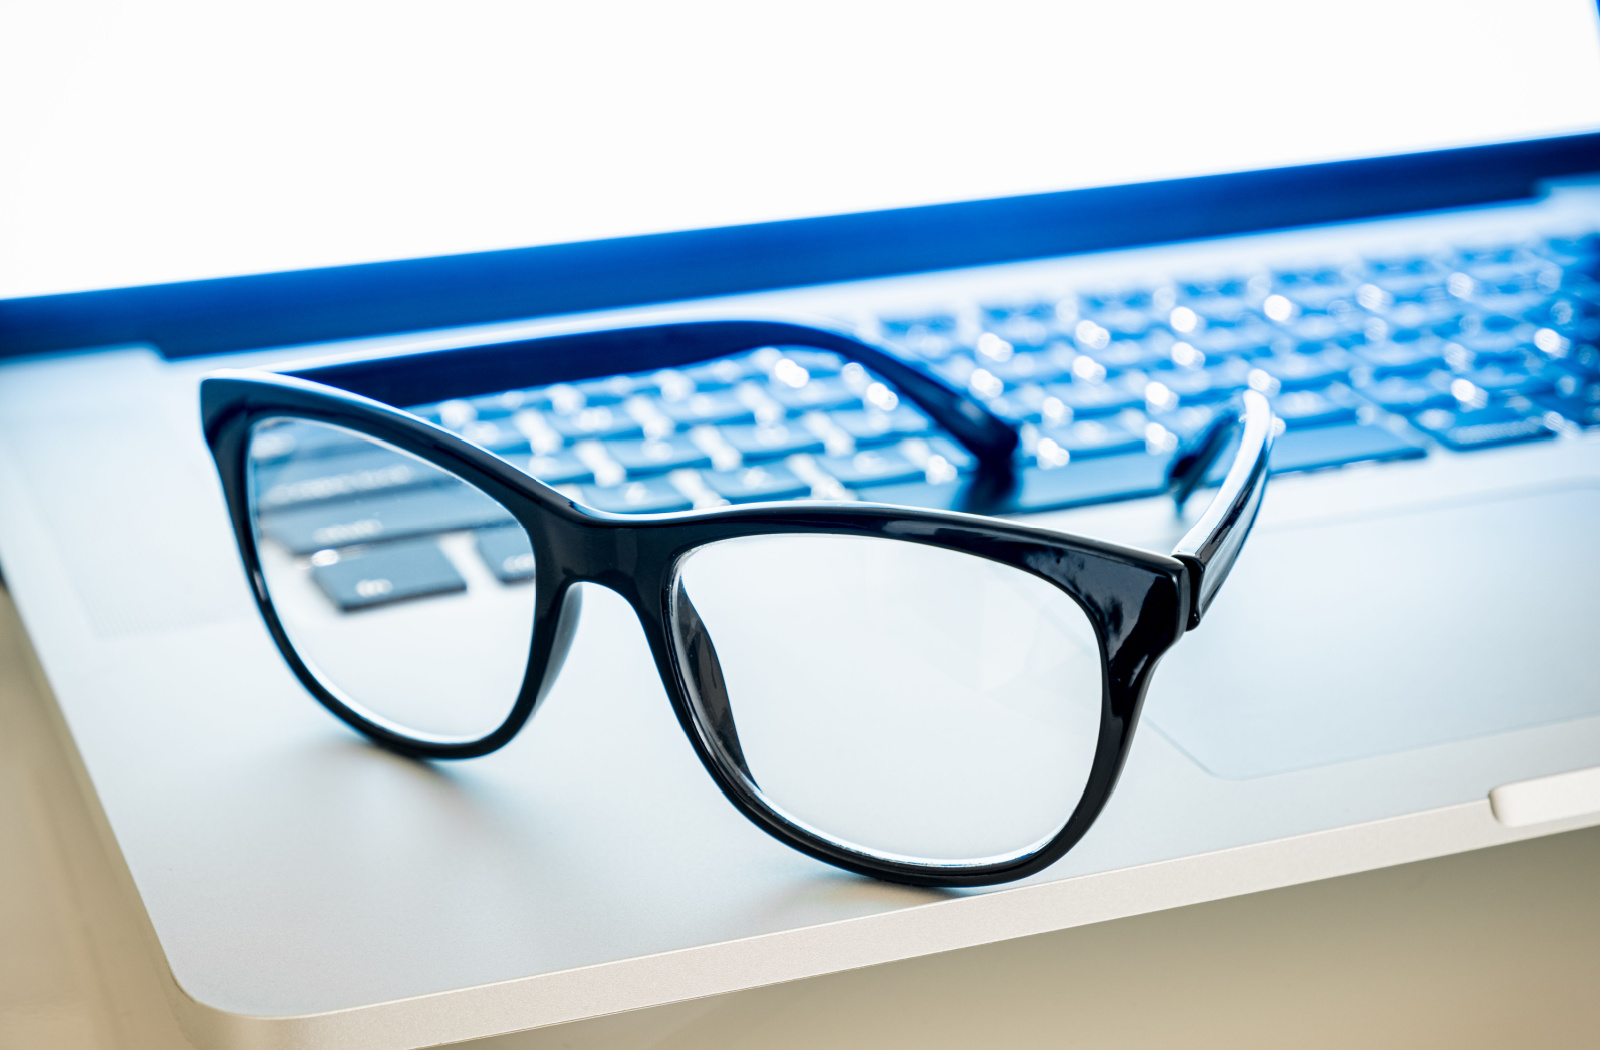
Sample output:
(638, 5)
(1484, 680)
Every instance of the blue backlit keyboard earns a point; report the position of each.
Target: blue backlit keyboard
(1388, 359)
(1466, 350)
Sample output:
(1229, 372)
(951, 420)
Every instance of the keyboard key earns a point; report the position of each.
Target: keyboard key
(873, 467)
(1124, 323)
(1510, 378)
(612, 390)
(500, 406)
(818, 364)
(1487, 347)
(394, 572)
(1314, 448)
(1125, 354)
(721, 373)
(604, 423)
(657, 456)
(365, 470)
(918, 450)
(774, 441)
(402, 515)
(1297, 370)
(507, 552)
(1403, 356)
(651, 496)
(498, 436)
(773, 481)
(272, 443)
(1212, 383)
(1097, 437)
(869, 427)
(1315, 408)
(1087, 481)
(1087, 399)
(1404, 393)
(823, 394)
(1217, 342)
(562, 468)
(1582, 408)
(718, 407)
(1031, 367)
(1468, 429)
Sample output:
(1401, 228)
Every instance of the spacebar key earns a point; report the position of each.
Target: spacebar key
(417, 513)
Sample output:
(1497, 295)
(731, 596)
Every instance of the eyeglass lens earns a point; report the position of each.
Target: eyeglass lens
(899, 697)
(350, 531)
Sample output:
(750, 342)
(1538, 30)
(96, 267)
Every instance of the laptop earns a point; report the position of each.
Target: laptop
(1393, 233)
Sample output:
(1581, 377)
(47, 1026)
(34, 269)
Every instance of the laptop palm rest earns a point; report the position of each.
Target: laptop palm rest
(1349, 639)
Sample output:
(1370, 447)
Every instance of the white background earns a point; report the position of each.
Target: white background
(167, 141)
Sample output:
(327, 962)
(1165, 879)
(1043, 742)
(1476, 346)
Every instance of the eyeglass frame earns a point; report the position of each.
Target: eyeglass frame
(1139, 602)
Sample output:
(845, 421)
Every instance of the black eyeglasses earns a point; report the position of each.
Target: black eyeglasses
(930, 697)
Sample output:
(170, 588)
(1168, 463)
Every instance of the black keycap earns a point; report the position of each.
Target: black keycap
(394, 572)
(507, 552)
(651, 496)
(872, 467)
(1468, 429)
(1331, 446)
(1315, 408)
(773, 481)
(643, 459)
(717, 408)
(362, 471)
(757, 443)
(604, 422)
(1411, 393)
(1088, 481)
(821, 394)
(1094, 437)
(871, 427)
(419, 512)
(560, 469)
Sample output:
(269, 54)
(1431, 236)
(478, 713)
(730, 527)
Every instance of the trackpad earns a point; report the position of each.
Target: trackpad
(1341, 641)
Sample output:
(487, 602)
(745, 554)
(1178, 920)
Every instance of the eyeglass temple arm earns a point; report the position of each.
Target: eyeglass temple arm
(1210, 548)
(439, 375)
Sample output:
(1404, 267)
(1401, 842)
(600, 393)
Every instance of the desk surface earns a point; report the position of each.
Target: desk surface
(1499, 947)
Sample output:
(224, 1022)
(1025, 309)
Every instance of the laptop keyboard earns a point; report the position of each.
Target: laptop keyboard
(1381, 359)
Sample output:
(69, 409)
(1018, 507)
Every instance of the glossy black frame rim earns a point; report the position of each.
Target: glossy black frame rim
(1138, 601)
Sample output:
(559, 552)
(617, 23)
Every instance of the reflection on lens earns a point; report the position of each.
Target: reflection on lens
(893, 696)
(408, 591)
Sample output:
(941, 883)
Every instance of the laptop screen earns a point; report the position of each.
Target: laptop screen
(183, 141)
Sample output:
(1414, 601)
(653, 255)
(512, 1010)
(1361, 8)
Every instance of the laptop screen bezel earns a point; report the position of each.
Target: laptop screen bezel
(280, 309)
